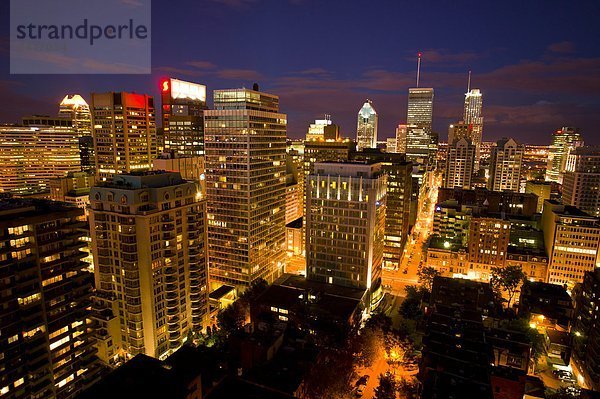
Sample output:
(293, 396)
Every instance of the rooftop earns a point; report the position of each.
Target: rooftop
(15, 209)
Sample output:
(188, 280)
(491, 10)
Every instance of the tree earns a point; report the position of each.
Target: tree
(411, 306)
(409, 388)
(507, 280)
(330, 376)
(426, 275)
(386, 388)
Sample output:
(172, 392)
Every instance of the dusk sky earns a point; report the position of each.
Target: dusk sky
(536, 62)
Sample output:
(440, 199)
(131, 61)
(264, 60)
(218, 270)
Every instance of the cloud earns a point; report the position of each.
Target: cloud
(14, 103)
(564, 47)
(201, 64)
(570, 75)
(239, 74)
(445, 56)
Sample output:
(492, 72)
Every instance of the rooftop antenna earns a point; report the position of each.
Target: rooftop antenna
(469, 83)
(418, 67)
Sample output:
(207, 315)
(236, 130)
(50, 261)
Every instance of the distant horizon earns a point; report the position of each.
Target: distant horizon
(535, 77)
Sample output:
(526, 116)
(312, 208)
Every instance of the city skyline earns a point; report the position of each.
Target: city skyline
(315, 79)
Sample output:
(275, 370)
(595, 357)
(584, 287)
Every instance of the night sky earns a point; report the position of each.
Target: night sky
(537, 62)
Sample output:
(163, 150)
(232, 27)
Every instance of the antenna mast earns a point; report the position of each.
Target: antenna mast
(469, 83)
(418, 68)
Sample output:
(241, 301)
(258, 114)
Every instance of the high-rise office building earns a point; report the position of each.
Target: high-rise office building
(31, 156)
(564, 140)
(345, 211)
(586, 329)
(420, 108)
(293, 191)
(76, 109)
(245, 142)
(323, 129)
(581, 180)
(401, 137)
(419, 139)
(182, 111)
(472, 110)
(459, 164)
(473, 118)
(366, 129)
(505, 166)
(398, 203)
(149, 243)
(572, 241)
(124, 130)
(47, 348)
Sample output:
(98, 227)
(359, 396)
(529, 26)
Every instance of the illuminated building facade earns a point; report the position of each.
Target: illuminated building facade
(124, 130)
(420, 138)
(564, 140)
(366, 129)
(473, 118)
(345, 228)
(31, 156)
(391, 145)
(76, 109)
(586, 329)
(581, 180)
(245, 142)
(323, 129)
(293, 193)
(399, 201)
(541, 189)
(401, 136)
(46, 344)
(572, 239)
(535, 161)
(487, 244)
(149, 245)
(460, 164)
(183, 105)
(505, 166)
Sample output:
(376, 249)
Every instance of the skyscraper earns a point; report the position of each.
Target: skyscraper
(183, 105)
(459, 164)
(366, 129)
(505, 165)
(581, 180)
(398, 201)
(345, 211)
(472, 109)
(124, 129)
(419, 120)
(31, 156)
(148, 234)
(564, 140)
(47, 348)
(245, 142)
(76, 109)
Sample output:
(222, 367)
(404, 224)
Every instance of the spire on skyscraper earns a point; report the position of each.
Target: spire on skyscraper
(418, 67)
